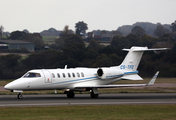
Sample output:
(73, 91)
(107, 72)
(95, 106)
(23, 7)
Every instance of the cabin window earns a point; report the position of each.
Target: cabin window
(73, 74)
(53, 75)
(69, 75)
(58, 75)
(63, 75)
(78, 74)
(82, 74)
(29, 74)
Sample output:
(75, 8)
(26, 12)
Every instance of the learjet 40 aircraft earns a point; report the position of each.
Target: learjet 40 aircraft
(83, 79)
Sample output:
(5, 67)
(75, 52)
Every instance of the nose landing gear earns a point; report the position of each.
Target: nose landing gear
(20, 96)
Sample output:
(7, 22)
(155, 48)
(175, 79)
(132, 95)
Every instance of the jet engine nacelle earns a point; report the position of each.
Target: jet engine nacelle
(108, 73)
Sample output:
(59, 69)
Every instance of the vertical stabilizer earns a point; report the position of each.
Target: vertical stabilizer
(133, 58)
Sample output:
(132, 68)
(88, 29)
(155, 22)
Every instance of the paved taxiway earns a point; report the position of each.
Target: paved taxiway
(84, 99)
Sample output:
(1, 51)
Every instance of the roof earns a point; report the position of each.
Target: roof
(14, 41)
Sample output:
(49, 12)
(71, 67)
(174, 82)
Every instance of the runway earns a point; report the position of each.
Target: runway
(84, 99)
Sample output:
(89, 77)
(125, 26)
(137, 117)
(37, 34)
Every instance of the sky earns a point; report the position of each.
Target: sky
(39, 15)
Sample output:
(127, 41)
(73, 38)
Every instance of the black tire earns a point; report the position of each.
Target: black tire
(70, 94)
(20, 96)
(92, 95)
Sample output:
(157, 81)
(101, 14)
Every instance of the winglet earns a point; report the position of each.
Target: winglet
(153, 79)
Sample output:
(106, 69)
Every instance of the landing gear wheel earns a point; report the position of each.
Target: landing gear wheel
(92, 95)
(20, 96)
(70, 94)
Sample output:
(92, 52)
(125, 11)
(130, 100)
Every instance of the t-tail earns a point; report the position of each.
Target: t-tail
(133, 58)
(128, 68)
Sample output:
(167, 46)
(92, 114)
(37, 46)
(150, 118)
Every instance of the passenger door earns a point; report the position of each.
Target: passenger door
(47, 75)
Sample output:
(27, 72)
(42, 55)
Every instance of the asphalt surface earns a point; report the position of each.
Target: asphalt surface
(84, 99)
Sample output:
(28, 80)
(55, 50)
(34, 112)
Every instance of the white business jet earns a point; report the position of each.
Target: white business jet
(83, 79)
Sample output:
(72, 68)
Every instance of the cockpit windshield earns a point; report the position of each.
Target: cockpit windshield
(29, 74)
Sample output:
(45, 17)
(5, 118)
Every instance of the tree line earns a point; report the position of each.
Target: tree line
(74, 53)
(71, 50)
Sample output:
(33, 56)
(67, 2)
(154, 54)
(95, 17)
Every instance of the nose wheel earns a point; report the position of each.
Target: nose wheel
(20, 96)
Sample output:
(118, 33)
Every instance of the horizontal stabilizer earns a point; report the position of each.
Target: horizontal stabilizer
(132, 77)
(142, 49)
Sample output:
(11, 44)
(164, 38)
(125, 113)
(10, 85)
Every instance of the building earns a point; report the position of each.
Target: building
(16, 44)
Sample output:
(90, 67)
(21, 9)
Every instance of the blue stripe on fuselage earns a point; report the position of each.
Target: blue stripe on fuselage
(89, 78)
(134, 72)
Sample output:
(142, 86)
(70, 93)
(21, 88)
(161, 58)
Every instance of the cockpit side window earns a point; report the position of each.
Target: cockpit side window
(32, 75)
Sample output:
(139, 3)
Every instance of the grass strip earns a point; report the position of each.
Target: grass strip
(96, 112)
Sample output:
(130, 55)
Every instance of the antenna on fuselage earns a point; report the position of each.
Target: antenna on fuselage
(65, 67)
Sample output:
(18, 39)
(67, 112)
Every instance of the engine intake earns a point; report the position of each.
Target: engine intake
(109, 73)
(100, 72)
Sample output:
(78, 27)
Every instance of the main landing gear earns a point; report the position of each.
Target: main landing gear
(70, 94)
(93, 94)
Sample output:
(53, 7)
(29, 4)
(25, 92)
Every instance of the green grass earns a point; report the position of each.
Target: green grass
(49, 38)
(4, 82)
(95, 112)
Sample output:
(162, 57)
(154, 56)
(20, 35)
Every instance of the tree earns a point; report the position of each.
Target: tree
(133, 40)
(119, 43)
(10, 67)
(148, 41)
(102, 61)
(17, 35)
(35, 38)
(94, 45)
(116, 60)
(1, 31)
(64, 34)
(137, 30)
(116, 32)
(160, 31)
(74, 47)
(81, 28)
(173, 26)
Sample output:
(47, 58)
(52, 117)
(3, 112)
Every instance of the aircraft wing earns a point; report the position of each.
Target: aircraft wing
(120, 85)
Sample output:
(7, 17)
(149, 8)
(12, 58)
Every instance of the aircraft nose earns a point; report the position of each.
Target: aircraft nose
(8, 86)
